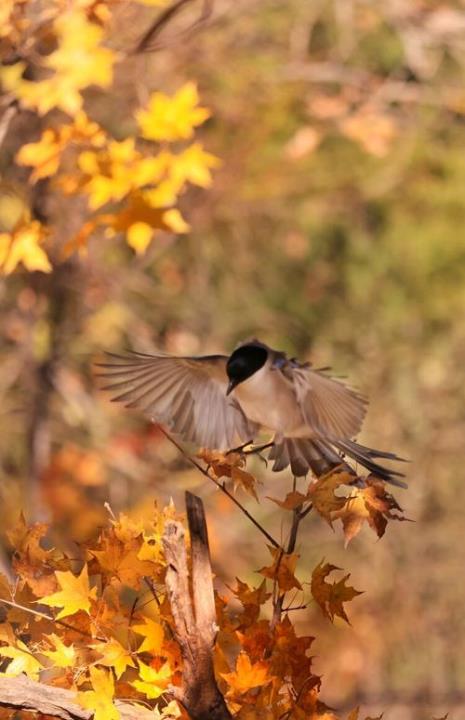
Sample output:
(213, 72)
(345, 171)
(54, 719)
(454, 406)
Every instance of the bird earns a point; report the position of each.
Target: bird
(222, 402)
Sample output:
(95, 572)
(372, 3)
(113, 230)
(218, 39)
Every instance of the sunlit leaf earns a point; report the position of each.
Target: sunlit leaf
(75, 593)
(172, 118)
(100, 698)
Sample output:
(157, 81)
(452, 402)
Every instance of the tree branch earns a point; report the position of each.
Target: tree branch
(21, 693)
(148, 41)
(223, 489)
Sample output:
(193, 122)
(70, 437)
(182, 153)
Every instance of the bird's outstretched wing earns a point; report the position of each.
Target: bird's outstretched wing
(330, 408)
(187, 394)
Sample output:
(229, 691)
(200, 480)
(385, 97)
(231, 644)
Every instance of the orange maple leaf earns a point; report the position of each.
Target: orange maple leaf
(247, 675)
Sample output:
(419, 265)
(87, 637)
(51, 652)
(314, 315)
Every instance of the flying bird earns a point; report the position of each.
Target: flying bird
(220, 402)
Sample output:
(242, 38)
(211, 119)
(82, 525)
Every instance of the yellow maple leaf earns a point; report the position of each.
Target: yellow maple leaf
(21, 661)
(172, 118)
(75, 593)
(152, 683)
(23, 245)
(127, 528)
(78, 61)
(114, 655)
(169, 712)
(44, 155)
(151, 548)
(100, 699)
(62, 656)
(247, 675)
(194, 165)
(79, 57)
(153, 635)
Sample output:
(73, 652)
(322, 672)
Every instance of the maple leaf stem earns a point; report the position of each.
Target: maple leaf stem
(10, 603)
(223, 489)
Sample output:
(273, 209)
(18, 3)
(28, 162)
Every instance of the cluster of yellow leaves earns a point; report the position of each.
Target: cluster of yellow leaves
(137, 179)
(78, 62)
(107, 632)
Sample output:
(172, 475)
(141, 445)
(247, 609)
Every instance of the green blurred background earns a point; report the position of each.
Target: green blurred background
(335, 231)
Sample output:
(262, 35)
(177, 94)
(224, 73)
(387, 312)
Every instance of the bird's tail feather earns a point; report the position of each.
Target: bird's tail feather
(321, 456)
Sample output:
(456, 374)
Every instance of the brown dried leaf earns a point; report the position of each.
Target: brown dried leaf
(292, 500)
(322, 494)
(331, 596)
(371, 504)
(282, 570)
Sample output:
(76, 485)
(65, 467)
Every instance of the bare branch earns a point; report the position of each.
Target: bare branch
(147, 42)
(199, 693)
(202, 581)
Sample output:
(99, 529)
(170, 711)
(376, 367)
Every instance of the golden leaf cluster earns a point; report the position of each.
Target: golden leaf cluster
(131, 185)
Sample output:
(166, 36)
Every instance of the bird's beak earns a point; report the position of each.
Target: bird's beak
(231, 386)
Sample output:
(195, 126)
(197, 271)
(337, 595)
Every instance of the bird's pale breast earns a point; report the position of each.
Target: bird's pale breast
(267, 398)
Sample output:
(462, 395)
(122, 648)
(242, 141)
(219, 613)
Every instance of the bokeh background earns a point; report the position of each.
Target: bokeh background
(335, 231)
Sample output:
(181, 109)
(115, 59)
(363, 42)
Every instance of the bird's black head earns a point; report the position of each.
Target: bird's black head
(244, 362)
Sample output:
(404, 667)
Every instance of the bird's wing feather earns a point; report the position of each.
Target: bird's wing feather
(329, 407)
(187, 394)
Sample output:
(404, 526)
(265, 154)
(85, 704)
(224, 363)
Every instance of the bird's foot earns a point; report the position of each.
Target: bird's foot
(253, 450)
(257, 449)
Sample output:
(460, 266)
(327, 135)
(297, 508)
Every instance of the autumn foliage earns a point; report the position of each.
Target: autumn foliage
(131, 186)
(96, 620)
(99, 622)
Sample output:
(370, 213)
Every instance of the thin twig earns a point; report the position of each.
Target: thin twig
(6, 119)
(305, 512)
(147, 44)
(278, 604)
(44, 616)
(223, 489)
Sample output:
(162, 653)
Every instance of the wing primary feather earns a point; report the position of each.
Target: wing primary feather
(152, 382)
(161, 389)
